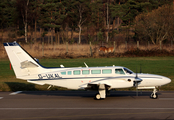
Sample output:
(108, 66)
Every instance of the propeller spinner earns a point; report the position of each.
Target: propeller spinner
(137, 80)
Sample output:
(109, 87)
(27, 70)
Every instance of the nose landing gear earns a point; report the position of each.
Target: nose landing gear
(154, 95)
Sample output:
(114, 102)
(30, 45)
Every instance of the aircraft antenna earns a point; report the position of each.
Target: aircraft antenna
(49, 87)
(62, 66)
(86, 65)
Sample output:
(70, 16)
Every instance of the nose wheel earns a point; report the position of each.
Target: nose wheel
(154, 95)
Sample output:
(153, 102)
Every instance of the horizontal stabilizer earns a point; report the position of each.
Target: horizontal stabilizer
(35, 82)
(28, 64)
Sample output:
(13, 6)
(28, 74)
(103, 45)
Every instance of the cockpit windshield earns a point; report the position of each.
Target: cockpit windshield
(128, 71)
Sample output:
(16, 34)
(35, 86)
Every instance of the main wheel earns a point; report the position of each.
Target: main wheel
(154, 96)
(97, 96)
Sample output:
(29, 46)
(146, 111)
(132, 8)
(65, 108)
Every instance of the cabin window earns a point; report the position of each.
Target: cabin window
(119, 71)
(107, 71)
(63, 73)
(85, 72)
(96, 71)
(69, 73)
(76, 72)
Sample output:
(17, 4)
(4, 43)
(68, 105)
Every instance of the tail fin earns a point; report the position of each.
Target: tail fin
(23, 64)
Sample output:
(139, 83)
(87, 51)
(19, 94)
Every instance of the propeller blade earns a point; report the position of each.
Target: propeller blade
(137, 80)
(136, 91)
(140, 69)
(136, 73)
(136, 85)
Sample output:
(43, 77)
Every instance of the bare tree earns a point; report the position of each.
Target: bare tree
(81, 20)
(23, 7)
(155, 25)
(82, 10)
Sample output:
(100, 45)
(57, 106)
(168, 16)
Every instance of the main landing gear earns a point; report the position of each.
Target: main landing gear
(97, 96)
(154, 95)
(101, 92)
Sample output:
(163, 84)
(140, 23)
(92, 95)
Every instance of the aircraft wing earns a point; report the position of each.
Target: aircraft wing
(95, 84)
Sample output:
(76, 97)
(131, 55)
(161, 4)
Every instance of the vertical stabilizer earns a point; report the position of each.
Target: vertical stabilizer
(22, 63)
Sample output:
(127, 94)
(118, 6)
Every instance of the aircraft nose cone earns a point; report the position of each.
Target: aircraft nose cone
(167, 80)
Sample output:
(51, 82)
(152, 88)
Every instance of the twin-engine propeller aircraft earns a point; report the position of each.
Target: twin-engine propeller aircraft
(101, 79)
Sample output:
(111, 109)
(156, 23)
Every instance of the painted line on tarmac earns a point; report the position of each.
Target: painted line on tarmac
(15, 93)
(86, 108)
(166, 98)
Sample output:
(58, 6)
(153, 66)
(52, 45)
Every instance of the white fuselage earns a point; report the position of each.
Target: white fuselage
(79, 78)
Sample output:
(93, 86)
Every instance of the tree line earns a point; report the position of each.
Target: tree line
(97, 20)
